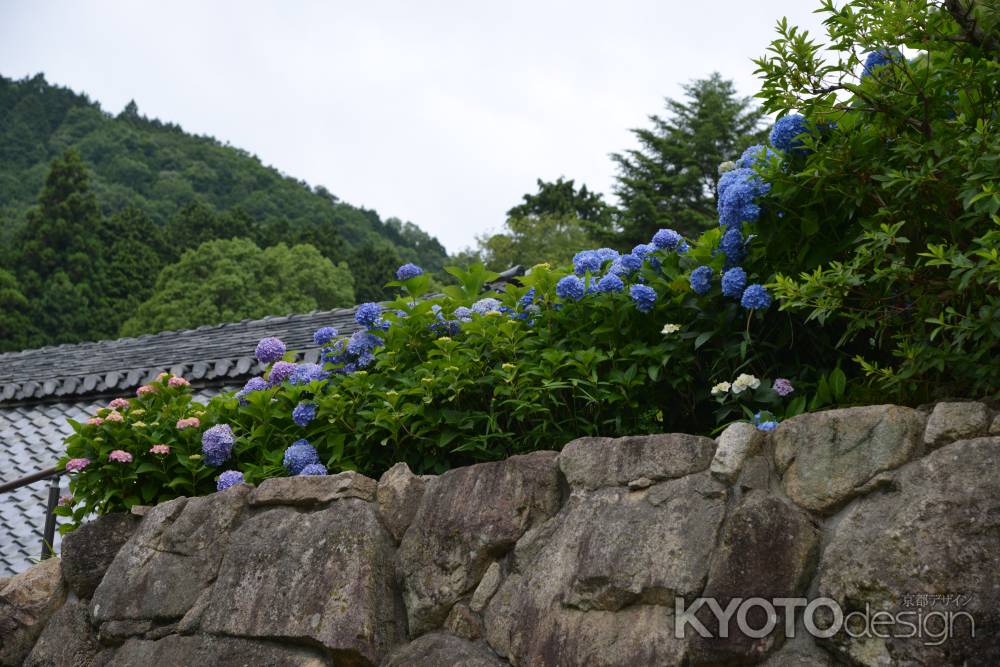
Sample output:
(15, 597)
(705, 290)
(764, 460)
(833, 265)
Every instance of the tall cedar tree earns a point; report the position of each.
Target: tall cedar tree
(669, 181)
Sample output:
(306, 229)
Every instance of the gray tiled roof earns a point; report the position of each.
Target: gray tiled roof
(40, 389)
(210, 354)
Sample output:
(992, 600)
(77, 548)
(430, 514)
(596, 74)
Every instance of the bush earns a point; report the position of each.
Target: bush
(138, 451)
(883, 223)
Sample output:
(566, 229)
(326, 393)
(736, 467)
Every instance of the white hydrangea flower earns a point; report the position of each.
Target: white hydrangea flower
(728, 165)
(720, 388)
(670, 328)
(745, 381)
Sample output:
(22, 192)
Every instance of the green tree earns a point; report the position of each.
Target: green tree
(229, 280)
(58, 256)
(561, 199)
(669, 180)
(16, 327)
(532, 240)
(373, 265)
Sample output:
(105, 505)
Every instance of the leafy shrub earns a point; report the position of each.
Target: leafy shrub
(138, 451)
(883, 224)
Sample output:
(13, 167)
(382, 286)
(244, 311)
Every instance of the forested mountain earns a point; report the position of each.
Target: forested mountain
(86, 197)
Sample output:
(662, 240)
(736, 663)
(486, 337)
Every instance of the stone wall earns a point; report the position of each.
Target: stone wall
(571, 558)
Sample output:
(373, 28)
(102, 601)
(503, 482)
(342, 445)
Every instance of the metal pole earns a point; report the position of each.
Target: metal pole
(50, 519)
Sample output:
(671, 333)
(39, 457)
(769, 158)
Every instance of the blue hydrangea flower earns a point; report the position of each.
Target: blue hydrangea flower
(269, 349)
(313, 469)
(878, 59)
(362, 342)
(298, 456)
(667, 239)
(731, 177)
(683, 247)
(755, 155)
(570, 288)
(733, 282)
(369, 315)
(643, 297)
(606, 254)
(463, 314)
(701, 280)
(487, 305)
(610, 283)
(217, 444)
(755, 297)
(304, 413)
(643, 249)
(280, 372)
(736, 204)
(253, 384)
(765, 421)
(324, 335)
(306, 373)
(732, 246)
(228, 479)
(527, 299)
(786, 131)
(631, 263)
(586, 260)
(407, 271)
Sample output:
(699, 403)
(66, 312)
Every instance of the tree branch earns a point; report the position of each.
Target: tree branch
(963, 16)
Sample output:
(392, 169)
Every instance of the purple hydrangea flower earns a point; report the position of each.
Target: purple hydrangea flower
(253, 384)
(324, 336)
(701, 280)
(463, 314)
(785, 135)
(269, 349)
(570, 288)
(217, 444)
(666, 239)
(313, 469)
(298, 456)
(733, 282)
(755, 297)
(643, 297)
(280, 371)
(407, 271)
(228, 479)
(783, 387)
(610, 283)
(304, 413)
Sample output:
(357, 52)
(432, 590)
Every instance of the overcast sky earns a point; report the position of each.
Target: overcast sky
(441, 113)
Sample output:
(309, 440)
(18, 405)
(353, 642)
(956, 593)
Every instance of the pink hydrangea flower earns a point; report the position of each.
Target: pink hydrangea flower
(95, 421)
(118, 404)
(159, 449)
(145, 389)
(178, 382)
(65, 500)
(76, 465)
(120, 456)
(162, 376)
(190, 422)
(114, 416)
